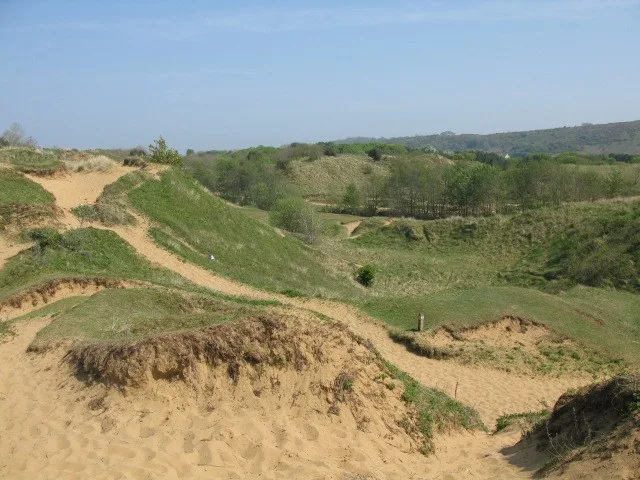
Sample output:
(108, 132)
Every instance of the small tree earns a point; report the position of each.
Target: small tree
(351, 199)
(15, 137)
(161, 153)
(190, 151)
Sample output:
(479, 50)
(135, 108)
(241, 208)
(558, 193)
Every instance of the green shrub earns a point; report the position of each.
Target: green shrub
(161, 153)
(297, 216)
(365, 275)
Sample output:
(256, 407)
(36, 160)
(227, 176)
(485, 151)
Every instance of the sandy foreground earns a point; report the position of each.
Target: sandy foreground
(49, 430)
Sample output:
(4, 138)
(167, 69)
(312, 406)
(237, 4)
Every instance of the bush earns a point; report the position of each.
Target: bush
(297, 216)
(161, 153)
(365, 275)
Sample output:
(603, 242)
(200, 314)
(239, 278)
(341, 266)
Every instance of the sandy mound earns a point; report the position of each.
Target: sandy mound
(267, 398)
(511, 344)
(592, 433)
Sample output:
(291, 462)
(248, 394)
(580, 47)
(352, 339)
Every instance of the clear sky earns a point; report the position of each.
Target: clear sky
(230, 74)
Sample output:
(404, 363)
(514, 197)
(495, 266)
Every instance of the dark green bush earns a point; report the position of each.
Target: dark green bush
(365, 275)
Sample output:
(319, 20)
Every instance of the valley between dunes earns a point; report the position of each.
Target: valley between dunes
(48, 431)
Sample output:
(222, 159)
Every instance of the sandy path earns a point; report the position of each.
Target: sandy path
(74, 189)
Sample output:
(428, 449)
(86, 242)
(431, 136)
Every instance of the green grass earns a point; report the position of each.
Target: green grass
(138, 313)
(437, 412)
(194, 224)
(15, 188)
(609, 324)
(84, 252)
(27, 159)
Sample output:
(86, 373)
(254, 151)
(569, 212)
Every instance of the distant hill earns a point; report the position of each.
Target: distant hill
(621, 137)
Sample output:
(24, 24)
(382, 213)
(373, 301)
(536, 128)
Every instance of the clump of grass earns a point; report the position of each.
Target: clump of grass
(108, 215)
(527, 420)
(436, 411)
(290, 292)
(365, 275)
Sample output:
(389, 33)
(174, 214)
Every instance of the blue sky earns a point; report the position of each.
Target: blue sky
(225, 74)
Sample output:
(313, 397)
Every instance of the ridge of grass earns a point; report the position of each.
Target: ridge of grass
(136, 313)
(608, 322)
(83, 252)
(28, 159)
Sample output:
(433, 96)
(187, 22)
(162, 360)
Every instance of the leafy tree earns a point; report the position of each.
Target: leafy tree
(190, 151)
(351, 199)
(161, 153)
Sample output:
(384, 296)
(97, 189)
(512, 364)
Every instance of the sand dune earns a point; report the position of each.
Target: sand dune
(48, 431)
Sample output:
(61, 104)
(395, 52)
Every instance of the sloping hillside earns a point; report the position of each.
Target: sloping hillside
(621, 137)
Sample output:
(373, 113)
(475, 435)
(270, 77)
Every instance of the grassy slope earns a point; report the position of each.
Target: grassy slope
(22, 198)
(138, 313)
(85, 252)
(611, 326)
(194, 224)
(15, 188)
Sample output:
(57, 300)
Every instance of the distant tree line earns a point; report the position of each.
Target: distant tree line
(471, 183)
(417, 189)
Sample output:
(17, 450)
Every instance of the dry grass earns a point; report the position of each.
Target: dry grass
(98, 163)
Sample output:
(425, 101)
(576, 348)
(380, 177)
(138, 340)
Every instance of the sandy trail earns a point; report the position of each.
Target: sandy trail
(491, 392)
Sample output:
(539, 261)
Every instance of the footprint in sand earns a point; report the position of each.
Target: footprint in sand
(188, 442)
(204, 454)
(311, 433)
